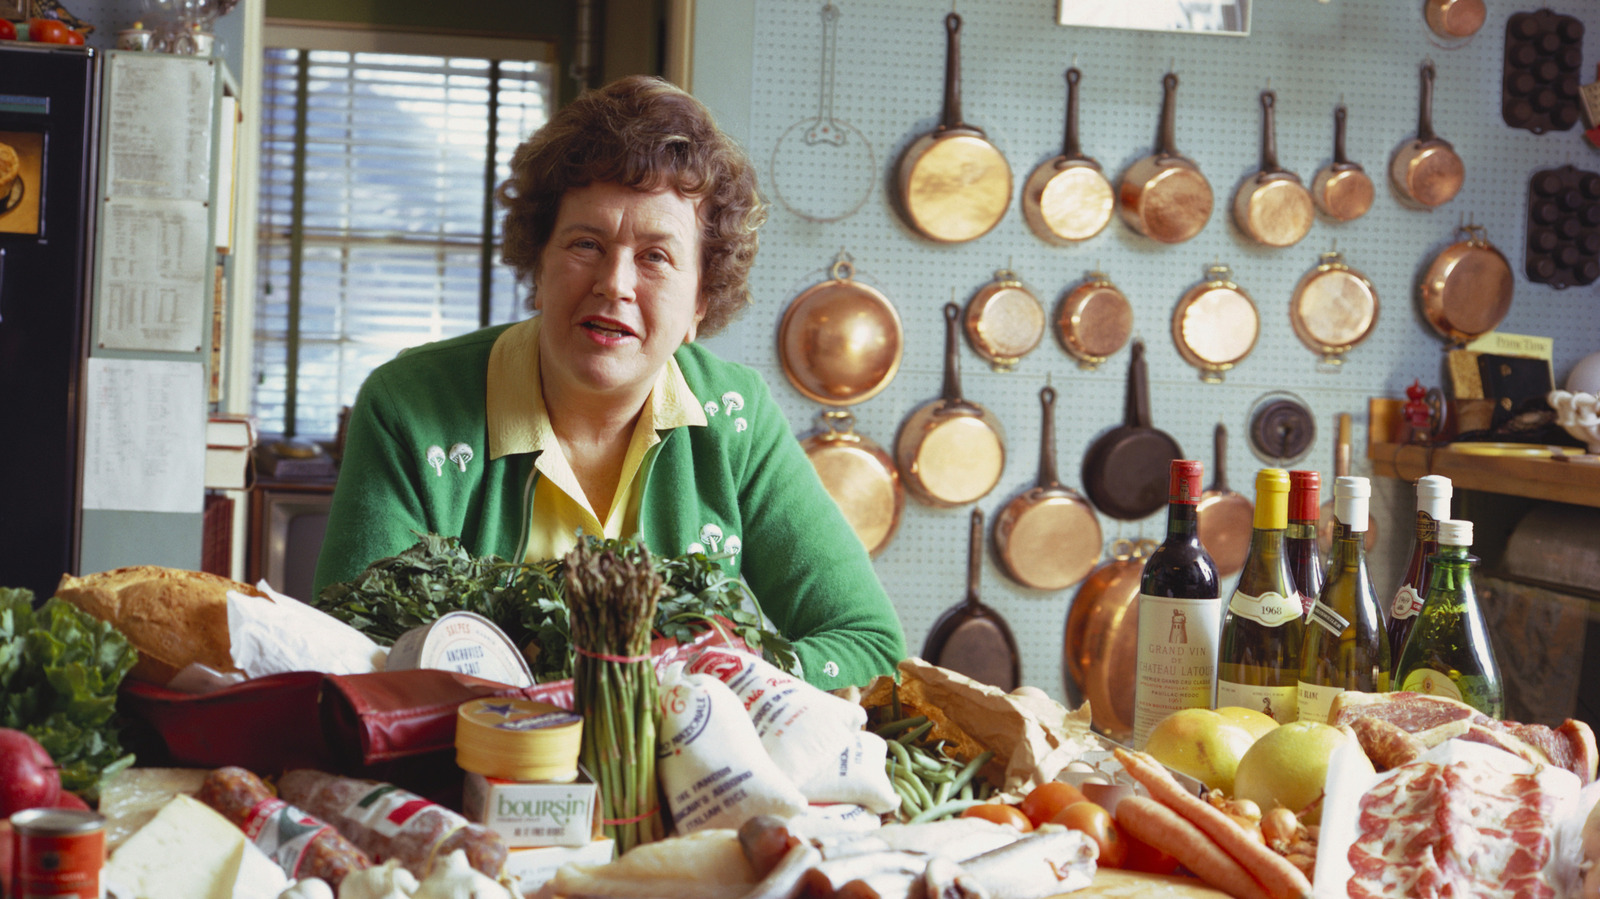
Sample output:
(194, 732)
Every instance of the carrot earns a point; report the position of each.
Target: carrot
(1166, 830)
(1280, 879)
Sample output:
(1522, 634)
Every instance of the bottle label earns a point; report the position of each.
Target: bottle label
(1270, 608)
(1325, 615)
(1434, 683)
(1282, 704)
(1316, 701)
(1407, 603)
(1177, 665)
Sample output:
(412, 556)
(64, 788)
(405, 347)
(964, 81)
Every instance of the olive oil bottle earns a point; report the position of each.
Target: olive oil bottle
(1448, 652)
(1346, 646)
(1259, 663)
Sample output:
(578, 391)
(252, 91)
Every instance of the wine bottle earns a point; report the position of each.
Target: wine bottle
(1300, 539)
(1258, 666)
(1433, 506)
(1448, 652)
(1179, 614)
(1346, 646)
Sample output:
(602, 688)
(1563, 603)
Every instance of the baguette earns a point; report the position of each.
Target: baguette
(171, 616)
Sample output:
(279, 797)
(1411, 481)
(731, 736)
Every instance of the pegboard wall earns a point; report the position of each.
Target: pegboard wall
(887, 85)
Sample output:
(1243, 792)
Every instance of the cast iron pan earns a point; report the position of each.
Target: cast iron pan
(1125, 469)
(971, 638)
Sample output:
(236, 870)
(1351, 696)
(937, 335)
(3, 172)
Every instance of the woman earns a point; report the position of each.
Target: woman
(634, 219)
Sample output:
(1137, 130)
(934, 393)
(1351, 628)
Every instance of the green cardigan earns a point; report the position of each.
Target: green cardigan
(740, 484)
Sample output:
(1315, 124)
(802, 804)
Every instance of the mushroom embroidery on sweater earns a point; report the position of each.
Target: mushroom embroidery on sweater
(436, 458)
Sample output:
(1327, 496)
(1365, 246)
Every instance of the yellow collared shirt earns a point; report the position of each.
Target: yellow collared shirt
(519, 423)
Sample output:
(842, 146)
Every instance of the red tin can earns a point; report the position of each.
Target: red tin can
(59, 853)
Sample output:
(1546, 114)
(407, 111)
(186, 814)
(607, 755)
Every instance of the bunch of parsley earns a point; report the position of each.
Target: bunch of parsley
(59, 672)
(436, 575)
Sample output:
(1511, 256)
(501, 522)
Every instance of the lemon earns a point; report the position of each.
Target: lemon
(1288, 766)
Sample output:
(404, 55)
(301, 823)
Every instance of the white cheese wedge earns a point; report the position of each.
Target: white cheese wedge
(189, 851)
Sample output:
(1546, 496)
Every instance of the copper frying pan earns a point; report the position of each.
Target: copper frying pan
(1272, 207)
(1226, 516)
(1466, 291)
(1068, 199)
(1101, 640)
(1164, 195)
(860, 476)
(1342, 189)
(1454, 19)
(1125, 469)
(1004, 322)
(954, 185)
(1425, 171)
(1341, 468)
(1047, 537)
(950, 451)
(970, 637)
(1095, 320)
(840, 341)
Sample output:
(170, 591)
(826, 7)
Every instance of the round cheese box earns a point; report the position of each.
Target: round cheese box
(518, 739)
(463, 642)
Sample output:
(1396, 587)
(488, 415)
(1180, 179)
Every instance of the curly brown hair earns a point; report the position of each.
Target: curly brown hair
(644, 133)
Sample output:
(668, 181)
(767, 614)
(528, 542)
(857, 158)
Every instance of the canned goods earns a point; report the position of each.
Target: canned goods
(59, 853)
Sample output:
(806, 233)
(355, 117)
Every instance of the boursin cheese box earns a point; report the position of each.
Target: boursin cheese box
(528, 814)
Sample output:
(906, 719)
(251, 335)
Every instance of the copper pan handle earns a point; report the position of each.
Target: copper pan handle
(1137, 410)
(1219, 454)
(1166, 139)
(1425, 111)
(1339, 116)
(952, 357)
(1341, 449)
(1070, 148)
(974, 555)
(952, 72)
(1047, 441)
(1269, 134)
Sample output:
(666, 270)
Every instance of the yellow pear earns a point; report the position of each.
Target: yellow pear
(1288, 766)
(1253, 720)
(1202, 744)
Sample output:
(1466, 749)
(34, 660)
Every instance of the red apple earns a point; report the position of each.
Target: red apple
(6, 863)
(69, 799)
(28, 776)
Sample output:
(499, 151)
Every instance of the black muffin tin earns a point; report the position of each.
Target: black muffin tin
(1544, 51)
(1563, 227)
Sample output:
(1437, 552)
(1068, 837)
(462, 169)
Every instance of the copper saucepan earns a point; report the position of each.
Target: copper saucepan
(950, 451)
(1342, 189)
(1426, 171)
(954, 185)
(1272, 207)
(1227, 517)
(860, 476)
(1101, 644)
(1333, 308)
(840, 341)
(1047, 537)
(1454, 19)
(1164, 195)
(1067, 198)
(1004, 321)
(1466, 292)
(970, 637)
(1094, 321)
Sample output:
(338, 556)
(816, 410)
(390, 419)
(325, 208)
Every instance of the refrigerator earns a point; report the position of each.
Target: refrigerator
(48, 116)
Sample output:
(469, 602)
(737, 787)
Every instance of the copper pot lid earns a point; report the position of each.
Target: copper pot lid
(1100, 644)
(1067, 198)
(1095, 321)
(1004, 321)
(1342, 189)
(1467, 290)
(860, 476)
(840, 341)
(1215, 325)
(1333, 308)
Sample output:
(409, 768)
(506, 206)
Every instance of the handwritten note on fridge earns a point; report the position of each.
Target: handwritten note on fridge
(154, 285)
(144, 436)
(158, 127)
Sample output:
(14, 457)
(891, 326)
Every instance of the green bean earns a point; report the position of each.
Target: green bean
(894, 727)
(965, 792)
(944, 810)
(942, 793)
(917, 734)
(898, 753)
(909, 803)
(971, 768)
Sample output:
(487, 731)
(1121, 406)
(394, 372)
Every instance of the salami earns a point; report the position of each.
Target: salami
(388, 822)
(302, 845)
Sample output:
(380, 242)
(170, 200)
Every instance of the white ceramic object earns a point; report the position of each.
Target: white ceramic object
(1577, 412)
(1585, 376)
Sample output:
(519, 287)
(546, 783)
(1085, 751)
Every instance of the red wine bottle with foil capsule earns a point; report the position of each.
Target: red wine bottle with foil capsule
(1300, 538)
(1259, 660)
(1180, 613)
(1346, 645)
(1433, 506)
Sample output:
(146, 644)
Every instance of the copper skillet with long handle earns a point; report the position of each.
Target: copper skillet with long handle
(950, 451)
(1426, 171)
(1226, 516)
(1272, 207)
(970, 637)
(1125, 469)
(1164, 196)
(1068, 199)
(1047, 537)
(954, 185)
(1342, 189)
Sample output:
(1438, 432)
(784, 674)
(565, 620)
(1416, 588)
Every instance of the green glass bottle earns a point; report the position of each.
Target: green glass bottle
(1346, 645)
(1448, 652)
(1259, 664)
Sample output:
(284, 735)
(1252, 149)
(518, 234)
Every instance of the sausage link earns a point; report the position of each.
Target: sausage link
(301, 844)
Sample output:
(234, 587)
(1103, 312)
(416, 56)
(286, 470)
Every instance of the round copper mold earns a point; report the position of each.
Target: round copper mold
(1095, 321)
(1215, 325)
(1004, 321)
(1333, 309)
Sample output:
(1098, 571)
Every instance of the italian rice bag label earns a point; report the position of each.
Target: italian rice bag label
(711, 763)
(813, 735)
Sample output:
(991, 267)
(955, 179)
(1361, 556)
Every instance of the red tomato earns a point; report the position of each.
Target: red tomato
(1097, 823)
(1048, 798)
(47, 31)
(1142, 856)
(1000, 813)
(74, 37)
(8, 30)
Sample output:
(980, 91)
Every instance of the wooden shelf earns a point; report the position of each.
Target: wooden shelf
(1535, 477)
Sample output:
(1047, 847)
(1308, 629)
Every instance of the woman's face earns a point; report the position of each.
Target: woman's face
(619, 288)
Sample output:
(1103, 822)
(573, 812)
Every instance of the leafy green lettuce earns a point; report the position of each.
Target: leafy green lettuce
(59, 672)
